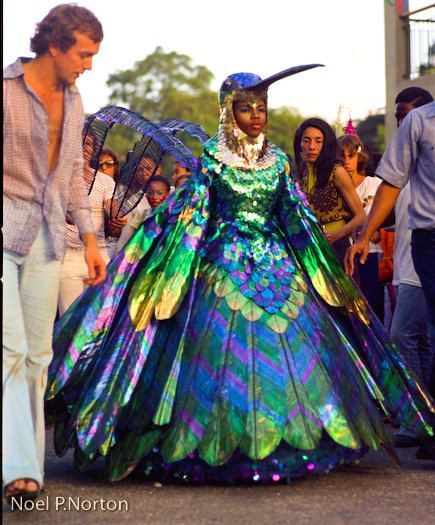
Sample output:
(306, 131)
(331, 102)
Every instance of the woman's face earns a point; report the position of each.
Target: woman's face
(250, 116)
(156, 193)
(349, 160)
(311, 144)
(107, 165)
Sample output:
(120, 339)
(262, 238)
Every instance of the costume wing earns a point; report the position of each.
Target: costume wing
(173, 125)
(94, 134)
(380, 364)
(147, 280)
(145, 157)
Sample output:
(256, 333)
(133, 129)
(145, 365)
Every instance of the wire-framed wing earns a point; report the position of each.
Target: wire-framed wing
(135, 175)
(145, 157)
(173, 125)
(94, 135)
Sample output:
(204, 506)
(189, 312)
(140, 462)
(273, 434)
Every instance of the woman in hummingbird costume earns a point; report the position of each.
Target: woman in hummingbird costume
(227, 343)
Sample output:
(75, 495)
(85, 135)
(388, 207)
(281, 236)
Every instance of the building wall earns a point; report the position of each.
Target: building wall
(396, 66)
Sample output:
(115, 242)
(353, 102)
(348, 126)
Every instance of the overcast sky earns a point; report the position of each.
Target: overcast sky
(228, 36)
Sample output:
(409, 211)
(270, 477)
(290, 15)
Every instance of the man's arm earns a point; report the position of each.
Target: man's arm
(94, 261)
(383, 203)
(81, 214)
(80, 211)
(395, 168)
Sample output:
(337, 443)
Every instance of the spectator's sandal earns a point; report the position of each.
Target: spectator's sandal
(16, 497)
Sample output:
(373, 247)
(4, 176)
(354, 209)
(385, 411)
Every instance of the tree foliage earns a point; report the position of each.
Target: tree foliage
(282, 126)
(372, 132)
(165, 85)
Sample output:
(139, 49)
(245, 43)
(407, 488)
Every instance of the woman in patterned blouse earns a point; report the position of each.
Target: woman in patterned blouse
(328, 186)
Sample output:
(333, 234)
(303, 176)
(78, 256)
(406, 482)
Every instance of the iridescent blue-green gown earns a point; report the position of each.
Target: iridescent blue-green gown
(227, 344)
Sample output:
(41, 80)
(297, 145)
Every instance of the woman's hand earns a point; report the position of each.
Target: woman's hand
(333, 236)
(119, 222)
(115, 226)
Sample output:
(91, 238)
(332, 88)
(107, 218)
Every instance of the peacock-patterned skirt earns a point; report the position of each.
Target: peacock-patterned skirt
(202, 359)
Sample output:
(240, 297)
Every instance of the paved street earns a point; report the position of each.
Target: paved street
(373, 492)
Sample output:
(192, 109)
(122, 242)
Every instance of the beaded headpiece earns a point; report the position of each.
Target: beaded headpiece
(236, 147)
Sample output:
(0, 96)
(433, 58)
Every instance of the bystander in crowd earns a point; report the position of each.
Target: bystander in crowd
(354, 157)
(180, 174)
(410, 157)
(328, 186)
(43, 180)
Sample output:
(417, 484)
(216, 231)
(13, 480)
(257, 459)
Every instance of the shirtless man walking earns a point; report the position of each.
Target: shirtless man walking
(43, 180)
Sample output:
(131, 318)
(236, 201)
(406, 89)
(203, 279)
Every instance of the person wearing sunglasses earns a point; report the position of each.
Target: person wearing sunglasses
(109, 165)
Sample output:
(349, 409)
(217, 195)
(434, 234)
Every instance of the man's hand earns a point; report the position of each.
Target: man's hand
(362, 247)
(94, 261)
(376, 237)
(382, 205)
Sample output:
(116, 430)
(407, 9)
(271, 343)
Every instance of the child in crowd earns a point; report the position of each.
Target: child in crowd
(353, 156)
(157, 193)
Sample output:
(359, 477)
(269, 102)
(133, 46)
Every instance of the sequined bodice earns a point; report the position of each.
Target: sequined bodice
(244, 200)
(243, 236)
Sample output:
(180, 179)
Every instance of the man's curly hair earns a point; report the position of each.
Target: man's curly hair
(57, 28)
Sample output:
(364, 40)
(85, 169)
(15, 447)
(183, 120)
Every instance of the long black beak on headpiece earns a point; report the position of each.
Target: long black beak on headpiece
(264, 84)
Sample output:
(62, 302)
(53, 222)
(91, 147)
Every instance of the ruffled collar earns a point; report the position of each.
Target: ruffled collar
(249, 154)
(218, 155)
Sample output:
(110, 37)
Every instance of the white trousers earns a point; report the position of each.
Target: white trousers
(30, 293)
